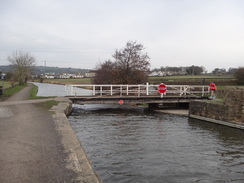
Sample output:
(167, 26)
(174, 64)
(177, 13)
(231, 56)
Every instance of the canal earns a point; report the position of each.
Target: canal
(129, 144)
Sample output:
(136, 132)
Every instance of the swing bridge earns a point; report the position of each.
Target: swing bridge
(135, 94)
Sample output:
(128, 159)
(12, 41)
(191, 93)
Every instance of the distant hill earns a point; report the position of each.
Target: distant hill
(42, 70)
(5, 68)
(38, 70)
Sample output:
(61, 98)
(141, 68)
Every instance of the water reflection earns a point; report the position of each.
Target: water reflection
(46, 90)
(128, 144)
(224, 133)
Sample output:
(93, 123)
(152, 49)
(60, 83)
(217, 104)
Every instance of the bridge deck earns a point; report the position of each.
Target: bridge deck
(130, 99)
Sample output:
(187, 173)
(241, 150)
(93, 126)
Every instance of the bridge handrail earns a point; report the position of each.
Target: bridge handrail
(141, 89)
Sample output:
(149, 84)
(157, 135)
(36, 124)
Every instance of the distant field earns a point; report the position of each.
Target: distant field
(193, 79)
(69, 81)
(6, 84)
(158, 79)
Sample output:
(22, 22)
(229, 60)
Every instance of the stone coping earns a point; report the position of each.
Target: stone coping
(230, 124)
(77, 159)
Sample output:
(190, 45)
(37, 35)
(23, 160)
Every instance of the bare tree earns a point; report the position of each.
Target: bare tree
(130, 66)
(104, 73)
(22, 64)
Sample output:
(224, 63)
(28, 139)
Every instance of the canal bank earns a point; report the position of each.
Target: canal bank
(229, 111)
(77, 159)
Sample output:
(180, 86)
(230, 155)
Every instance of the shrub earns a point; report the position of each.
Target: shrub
(239, 75)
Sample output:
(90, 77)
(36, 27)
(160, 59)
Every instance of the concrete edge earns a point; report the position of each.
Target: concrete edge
(229, 124)
(77, 159)
(180, 112)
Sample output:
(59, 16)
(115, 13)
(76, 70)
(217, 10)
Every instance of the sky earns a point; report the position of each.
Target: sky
(83, 33)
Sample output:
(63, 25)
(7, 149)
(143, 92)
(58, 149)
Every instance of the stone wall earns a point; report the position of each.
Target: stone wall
(232, 108)
(234, 97)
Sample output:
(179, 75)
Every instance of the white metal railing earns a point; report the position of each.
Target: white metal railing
(135, 90)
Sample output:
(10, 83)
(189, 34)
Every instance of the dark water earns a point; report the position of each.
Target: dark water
(128, 144)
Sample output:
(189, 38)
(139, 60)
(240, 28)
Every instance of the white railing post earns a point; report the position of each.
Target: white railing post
(94, 90)
(121, 90)
(101, 90)
(111, 89)
(147, 89)
(127, 89)
(139, 90)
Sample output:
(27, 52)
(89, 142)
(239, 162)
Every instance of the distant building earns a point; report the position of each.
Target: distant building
(49, 75)
(90, 74)
(78, 75)
(65, 76)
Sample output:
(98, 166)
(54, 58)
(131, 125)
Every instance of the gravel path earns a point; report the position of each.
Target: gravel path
(31, 147)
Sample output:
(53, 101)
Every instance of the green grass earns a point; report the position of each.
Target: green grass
(33, 93)
(10, 91)
(193, 76)
(190, 77)
(152, 79)
(68, 81)
(8, 84)
(47, 105)
(194, 80)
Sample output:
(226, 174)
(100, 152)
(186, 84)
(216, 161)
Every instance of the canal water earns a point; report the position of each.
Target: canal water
(129, 144)
(47, 90)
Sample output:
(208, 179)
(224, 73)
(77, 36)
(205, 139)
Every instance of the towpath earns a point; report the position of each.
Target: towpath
(32, 147)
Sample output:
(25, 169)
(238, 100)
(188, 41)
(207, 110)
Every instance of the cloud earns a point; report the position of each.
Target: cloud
(79, 33)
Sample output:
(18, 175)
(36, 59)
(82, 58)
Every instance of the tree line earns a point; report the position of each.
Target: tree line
(188, 70)
(129, 65)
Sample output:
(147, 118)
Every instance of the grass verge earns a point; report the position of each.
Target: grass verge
(10, 91)
(33, 92)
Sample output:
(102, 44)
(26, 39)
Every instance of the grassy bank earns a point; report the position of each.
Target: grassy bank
(67, 81)
(33, 92)
(10, 91)
(157, 79)
(201, 79)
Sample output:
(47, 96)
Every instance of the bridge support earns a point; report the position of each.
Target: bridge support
(152, 106)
